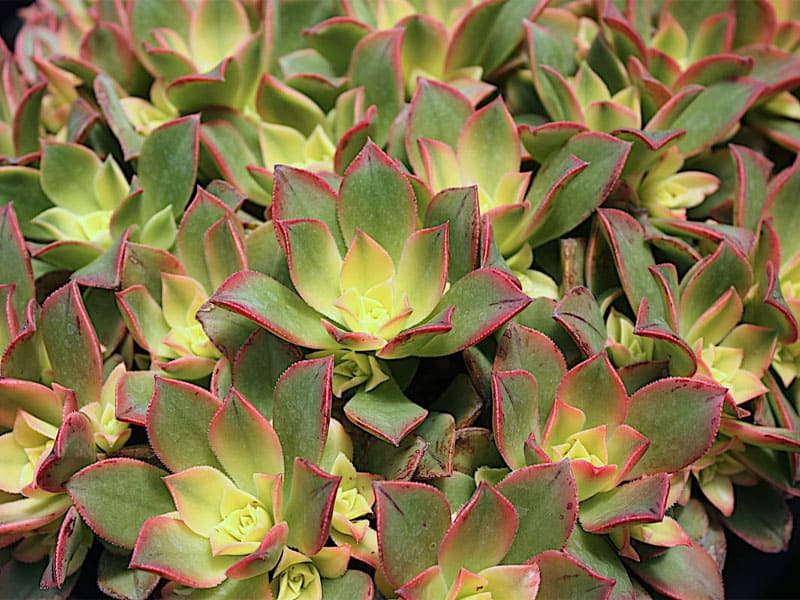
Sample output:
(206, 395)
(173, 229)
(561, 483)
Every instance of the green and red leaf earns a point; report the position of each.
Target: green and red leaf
(117, 495)
(412, 519)
(488, 520)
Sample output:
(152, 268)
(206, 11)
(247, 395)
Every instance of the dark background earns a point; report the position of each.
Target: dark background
(748, 572)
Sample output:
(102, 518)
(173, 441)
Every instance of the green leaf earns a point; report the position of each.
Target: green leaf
(117, 495)
(439, 432)
(595, 552)
(353, 585)
(761, 517)
(15, 267)
(71, 343)
(546, 499)
(437, 112)
(168, 547)
(177, 424)
(784, 209)
(26, 122)
(488, 146)
(563, 576)
(225, 250)
(310, 506)
(680, 417)
(534, 352)
(302, 410)
(314, 263)
(167, 167)
(562, 195)
(300, 194)
(375, 197)
(115, 579)
(335, 40)
(484, 300)
(580, 315)
(226, 154)
(68, 172)
(640, 501)
(385, 412)
(244, 442)
(258, 365)
(594, 387)
(412, 519)
(708, 281)
(489, 522)
(74, 449)
(458, 207)
(753, 171)
(277, 103)
(710, 114)
(375, 64)
(215, 31)
(274, 307)
(681, 572)
(204, 210)
(633, 258)
(516, 414)
(21, 185)
(395, 463)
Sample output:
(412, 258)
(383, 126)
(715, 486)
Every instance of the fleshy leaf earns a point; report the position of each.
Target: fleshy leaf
(490, 127)
(458, 207)
(117, 495)
(564, 576)
(16, 266)
(483, 300)
(385, 412)
(516, 414)
(640, 501)
(274, 307)
(372, 189)
(437, 112)
(680, 417)
(578, 312)
(412, 521)
(177, 424)
(547, 498)
(375, 64)
(607, 402)
(74, 449)
(704, 118)
(314, 263)
(422, 271)
(68, 172)
(601, 158)
(534, 352)
(301, 411)
(682, 572)
(244, 441)
(310, 506)
(761, 518)
(174, 145)
(300, 194)
(115, 579)
(488, 520)
(258, 365)
(71, 343)
(168, 547)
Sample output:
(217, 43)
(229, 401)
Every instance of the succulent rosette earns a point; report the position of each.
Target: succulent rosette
(367, 295)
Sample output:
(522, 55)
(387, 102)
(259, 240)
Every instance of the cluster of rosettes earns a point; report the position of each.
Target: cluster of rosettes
(416, 299)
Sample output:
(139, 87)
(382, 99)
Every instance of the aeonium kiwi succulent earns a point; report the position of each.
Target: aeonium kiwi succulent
(397, 299)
